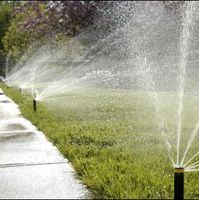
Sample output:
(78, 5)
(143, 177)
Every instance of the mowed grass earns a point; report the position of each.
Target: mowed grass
(112, 140)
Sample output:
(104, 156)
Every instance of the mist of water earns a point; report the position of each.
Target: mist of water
(133, 46)
(184, 49)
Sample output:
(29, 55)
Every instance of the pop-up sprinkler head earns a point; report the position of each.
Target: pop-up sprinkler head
(34, 105)
(179, 183)
(34, 101)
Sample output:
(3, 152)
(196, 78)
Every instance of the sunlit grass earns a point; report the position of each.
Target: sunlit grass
(113, 141)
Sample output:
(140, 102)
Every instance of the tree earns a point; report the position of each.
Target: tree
(28, 25)
(39, 20)
(5, 16)
(69, 17)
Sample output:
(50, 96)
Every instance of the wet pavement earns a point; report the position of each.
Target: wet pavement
(30, 166)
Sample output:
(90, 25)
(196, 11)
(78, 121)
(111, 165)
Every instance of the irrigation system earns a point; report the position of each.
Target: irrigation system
(179, 183)
(154, 67)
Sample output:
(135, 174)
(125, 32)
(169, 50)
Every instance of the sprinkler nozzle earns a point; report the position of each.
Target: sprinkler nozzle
(179, 183)
(179, 170)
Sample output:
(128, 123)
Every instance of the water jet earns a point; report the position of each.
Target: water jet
(179, 183)
(162, 67)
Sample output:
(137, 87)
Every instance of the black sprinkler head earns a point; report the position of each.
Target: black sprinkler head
(34, 105)
(179, 183)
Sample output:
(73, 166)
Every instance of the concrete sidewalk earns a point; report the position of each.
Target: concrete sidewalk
(30, 166)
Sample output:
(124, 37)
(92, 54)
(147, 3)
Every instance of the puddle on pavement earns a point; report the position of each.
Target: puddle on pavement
(17, 137)
(11, 127)
(18, 123)
(5, 101)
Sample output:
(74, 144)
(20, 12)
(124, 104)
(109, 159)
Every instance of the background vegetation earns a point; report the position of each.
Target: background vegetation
(23, 23)
(5, 15)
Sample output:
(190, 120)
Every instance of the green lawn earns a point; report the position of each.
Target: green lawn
(112, 140)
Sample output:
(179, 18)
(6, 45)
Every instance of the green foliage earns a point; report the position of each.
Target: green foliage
(37, 21)
(5, 16)
(112, 159)
(5, 10)
(15, 40)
